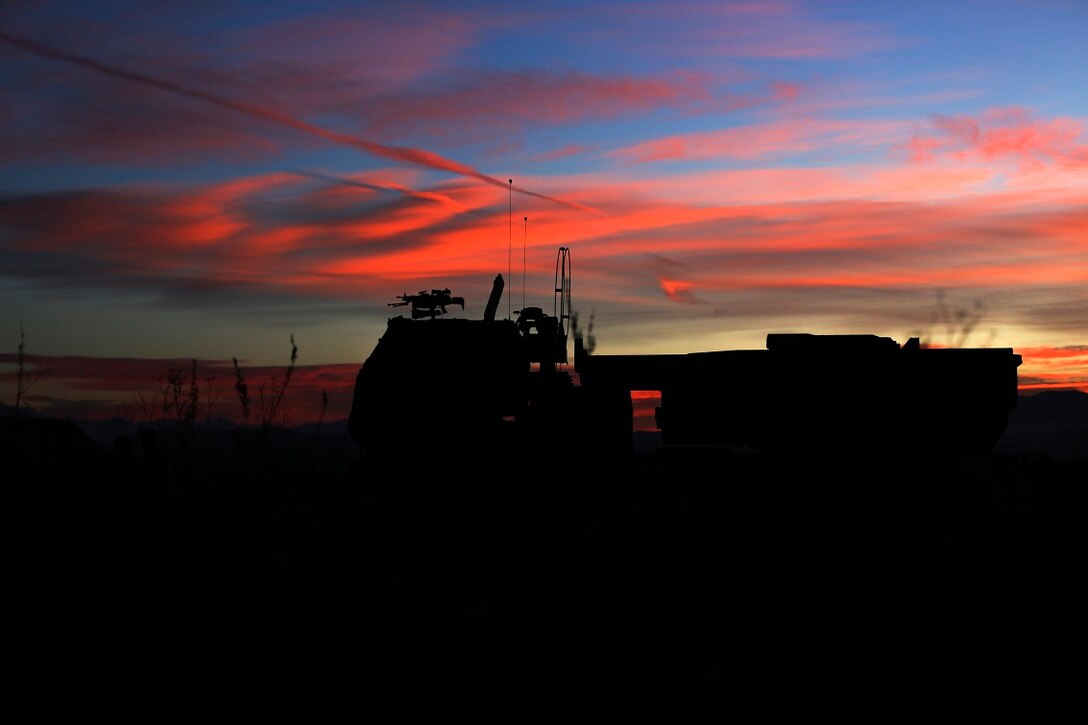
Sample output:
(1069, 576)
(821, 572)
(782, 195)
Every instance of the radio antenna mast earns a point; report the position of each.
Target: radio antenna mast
(510, 242)
(523, 243)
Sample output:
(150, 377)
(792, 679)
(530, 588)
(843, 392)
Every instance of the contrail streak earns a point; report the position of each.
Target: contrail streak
(419, 157)
(386, 186)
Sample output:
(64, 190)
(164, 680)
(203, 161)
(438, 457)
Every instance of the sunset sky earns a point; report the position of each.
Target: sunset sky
(206, 179)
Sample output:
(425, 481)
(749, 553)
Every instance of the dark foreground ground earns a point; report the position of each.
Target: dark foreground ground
(536, 589)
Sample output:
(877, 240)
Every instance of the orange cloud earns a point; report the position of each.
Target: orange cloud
(679, 291)
(1054, 367)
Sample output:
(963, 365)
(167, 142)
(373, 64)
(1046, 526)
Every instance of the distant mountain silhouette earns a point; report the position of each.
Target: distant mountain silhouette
(1051, 425)
(49, 446)
(104, 432)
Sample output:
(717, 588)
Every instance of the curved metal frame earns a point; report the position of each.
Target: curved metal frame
(561, 307)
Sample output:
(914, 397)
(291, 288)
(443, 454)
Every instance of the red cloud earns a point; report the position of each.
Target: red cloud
(644, 405)
(287, 232)
(339, 237)
(679, 291)
(1076, 353)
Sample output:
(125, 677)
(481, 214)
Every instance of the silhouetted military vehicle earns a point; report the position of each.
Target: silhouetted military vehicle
(445, 386)
(474, 385)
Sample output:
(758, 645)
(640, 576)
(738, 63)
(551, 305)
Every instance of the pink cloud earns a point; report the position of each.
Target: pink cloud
(399, 47)
(746, 142)
(1013, 133)
(780, 30)
(562, 152)
(988, 241)
(514, 99)
(770, 139)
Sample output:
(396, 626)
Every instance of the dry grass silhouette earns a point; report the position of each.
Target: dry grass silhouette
(951, 324)
(24, 379)
(272, 406)
(576, 331)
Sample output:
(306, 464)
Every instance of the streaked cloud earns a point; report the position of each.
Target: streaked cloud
(414, 156)
(527, 99)
(749, 30)
(774, 139)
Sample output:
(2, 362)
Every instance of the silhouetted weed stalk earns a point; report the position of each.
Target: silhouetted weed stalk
(272, 404)
(181, 399)
(184, 395)
(242, 388)
(212, 393)
(324, 407)
(24, 379)
(271, 407)
(177, 399)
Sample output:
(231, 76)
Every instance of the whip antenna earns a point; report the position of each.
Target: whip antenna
(523, 243)
(510, 241)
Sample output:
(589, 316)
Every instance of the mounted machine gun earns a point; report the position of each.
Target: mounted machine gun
(429, 304)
